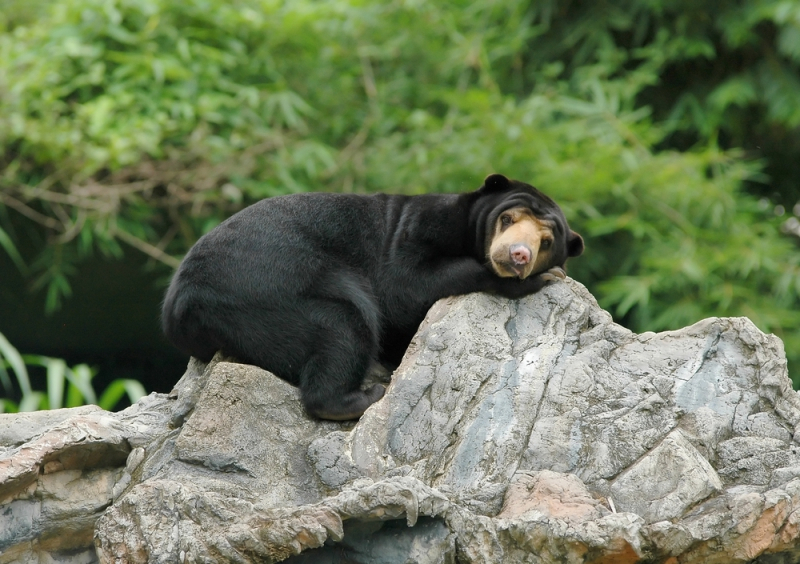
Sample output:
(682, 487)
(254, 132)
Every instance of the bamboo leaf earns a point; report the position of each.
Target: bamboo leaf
(12, 357)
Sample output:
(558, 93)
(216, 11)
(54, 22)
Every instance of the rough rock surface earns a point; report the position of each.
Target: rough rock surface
(529, 431)
(58, 473)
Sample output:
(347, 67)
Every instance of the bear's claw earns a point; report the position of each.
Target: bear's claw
(554, 274)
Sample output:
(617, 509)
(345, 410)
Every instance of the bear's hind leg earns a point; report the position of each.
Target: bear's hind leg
(331, 378)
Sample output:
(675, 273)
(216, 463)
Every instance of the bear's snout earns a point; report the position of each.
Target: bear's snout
(519, 254)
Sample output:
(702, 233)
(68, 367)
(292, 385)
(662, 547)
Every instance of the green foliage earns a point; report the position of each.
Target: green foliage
(76, 379)
(143, 123)
(722, 72)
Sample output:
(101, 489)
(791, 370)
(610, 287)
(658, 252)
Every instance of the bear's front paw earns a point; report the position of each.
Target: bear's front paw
(377, 373)
(350, 406)
(554, 274)
(375, 392)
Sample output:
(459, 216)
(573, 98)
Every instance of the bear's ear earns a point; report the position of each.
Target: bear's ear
(574, 244)
(495, 182)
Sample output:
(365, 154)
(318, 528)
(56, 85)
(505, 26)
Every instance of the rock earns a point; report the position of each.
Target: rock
(550, 495)
(58, 471)
(666, 481)
(514, 431)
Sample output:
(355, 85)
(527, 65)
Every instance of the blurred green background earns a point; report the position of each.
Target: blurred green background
(669, 131)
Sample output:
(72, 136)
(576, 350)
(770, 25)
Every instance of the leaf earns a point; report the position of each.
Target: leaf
(114, 392)
(627, 292)
(57, 288)
(8, 406)
(4, 378)
(12, 357)
(56, 377)
(11, 249)
(33, 401)
(81, 376)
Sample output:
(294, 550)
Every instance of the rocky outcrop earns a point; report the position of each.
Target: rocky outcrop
(59, 471)
(514, 431)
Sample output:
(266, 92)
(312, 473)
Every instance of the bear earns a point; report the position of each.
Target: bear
(320, 288)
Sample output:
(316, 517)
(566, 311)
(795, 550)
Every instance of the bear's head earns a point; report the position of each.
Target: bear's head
(520, 230)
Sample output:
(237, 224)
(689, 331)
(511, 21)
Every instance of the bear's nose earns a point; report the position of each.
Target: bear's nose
(520, 254)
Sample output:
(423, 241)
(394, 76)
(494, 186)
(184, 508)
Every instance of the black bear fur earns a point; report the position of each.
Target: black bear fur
(317, 288)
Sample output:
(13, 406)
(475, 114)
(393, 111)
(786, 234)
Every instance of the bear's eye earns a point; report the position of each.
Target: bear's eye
(546, 243)
(506, 220)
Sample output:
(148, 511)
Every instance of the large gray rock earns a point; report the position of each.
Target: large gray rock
(58, 472)
(514, 431)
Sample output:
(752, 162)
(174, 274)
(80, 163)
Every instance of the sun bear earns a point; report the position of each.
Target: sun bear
(318, 288)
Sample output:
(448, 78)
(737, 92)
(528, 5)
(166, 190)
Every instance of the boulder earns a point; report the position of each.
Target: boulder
(533, 431)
